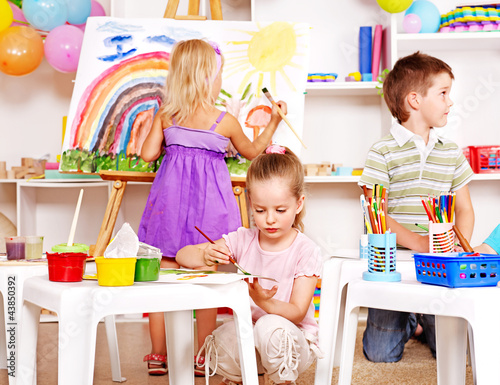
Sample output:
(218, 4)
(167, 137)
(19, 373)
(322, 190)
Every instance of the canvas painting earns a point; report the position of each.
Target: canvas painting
(121, 76)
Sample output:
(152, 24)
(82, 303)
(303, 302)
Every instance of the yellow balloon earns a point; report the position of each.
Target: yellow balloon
(21, 50)
(394, 6)
(6, 15)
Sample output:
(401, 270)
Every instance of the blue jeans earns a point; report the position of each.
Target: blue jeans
(388, 331)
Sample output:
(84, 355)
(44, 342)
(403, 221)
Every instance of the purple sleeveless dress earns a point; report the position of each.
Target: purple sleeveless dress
(191, 188)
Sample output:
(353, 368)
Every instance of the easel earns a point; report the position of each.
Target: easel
(121, 178)
(193, 10)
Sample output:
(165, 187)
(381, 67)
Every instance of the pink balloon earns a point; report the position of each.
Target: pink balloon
(412, 23)
(96, 10)
(63, 45)
(18, 15)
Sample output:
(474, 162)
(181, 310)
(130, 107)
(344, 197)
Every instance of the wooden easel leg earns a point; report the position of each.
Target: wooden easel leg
(108, 223)
(216, 9)
(171, 9)
(194, 7)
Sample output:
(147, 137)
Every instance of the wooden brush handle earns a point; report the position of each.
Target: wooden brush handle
(463, 242)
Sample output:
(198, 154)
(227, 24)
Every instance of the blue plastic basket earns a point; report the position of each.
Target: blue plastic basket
(458, 269)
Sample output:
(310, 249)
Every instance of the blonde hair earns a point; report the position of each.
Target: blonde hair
(415, 72)
(285, 166)
(191, 72)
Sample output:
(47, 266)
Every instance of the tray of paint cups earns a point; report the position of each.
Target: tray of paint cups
(147, 267)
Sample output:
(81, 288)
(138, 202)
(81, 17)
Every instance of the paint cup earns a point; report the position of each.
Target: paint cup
(148, 263)
(115, 271)
(66, 267)
(15, 247)
(75, 248)
(34, 247)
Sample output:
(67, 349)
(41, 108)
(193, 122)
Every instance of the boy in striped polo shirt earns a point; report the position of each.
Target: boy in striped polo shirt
(413, 162)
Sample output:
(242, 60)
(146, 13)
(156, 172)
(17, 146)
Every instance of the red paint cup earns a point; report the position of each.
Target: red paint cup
(66, 267)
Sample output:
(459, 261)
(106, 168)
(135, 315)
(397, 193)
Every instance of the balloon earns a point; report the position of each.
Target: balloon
(18, 15)
(6, 15)
(78, 11)
(45, 14)
(394, 6)
(62, 47)
(412, 23)
(428, 13)
(96, 10)
(21, 50)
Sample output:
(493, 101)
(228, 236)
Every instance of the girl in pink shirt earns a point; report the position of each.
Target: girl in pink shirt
(285, 330)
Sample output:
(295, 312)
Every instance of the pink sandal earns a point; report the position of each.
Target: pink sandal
(156, 359)
(199, 368)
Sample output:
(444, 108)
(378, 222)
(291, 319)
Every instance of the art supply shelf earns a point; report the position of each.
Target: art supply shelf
(343, 88)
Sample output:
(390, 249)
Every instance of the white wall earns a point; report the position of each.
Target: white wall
(338, 129)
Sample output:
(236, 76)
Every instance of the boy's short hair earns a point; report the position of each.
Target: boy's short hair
(414, 72)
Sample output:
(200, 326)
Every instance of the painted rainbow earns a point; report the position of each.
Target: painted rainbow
(115, 114)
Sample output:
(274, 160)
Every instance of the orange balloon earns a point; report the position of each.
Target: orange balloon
(21, 50)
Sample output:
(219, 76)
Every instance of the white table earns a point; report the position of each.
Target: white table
(12, 277)
(338, 271)
(81, 305)
(454, 308)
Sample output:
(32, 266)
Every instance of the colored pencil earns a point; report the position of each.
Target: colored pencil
(422, 227)
(453, 197)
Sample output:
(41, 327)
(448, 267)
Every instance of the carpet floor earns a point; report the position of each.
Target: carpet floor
(416, 368)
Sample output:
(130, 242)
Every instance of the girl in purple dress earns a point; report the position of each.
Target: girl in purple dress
(192, 186)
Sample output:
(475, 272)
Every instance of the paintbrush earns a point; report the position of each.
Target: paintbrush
(233, 261)
(268, 95)
(463, 242)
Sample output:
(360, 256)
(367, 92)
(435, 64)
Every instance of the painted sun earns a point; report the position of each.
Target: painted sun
(265, 56)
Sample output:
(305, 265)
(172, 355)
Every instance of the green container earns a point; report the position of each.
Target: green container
(76, 248)
(147, 269)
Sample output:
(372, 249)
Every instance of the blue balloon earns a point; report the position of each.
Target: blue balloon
(78, 11)
(45, 14)
(428, 13)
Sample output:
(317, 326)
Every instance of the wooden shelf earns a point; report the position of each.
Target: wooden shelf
(338, 88)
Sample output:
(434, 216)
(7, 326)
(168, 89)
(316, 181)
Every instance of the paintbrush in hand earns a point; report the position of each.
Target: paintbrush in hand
(268, 95)
(233, 261)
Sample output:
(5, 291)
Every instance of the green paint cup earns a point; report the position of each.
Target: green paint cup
(147, 269)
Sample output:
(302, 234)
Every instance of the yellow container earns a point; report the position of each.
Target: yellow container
(115, 271)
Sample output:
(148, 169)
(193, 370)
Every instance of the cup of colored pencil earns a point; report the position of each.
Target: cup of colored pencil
(440, 211)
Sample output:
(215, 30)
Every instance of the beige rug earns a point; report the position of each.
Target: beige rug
(416, 368)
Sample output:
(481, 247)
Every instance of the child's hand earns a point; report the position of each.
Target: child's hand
(275, 115)
(258, 293)
(215, 254)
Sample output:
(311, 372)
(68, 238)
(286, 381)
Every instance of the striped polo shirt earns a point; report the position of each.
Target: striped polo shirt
(410, 170)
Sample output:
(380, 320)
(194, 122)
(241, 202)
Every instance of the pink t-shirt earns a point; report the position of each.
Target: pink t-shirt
(302, 258)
